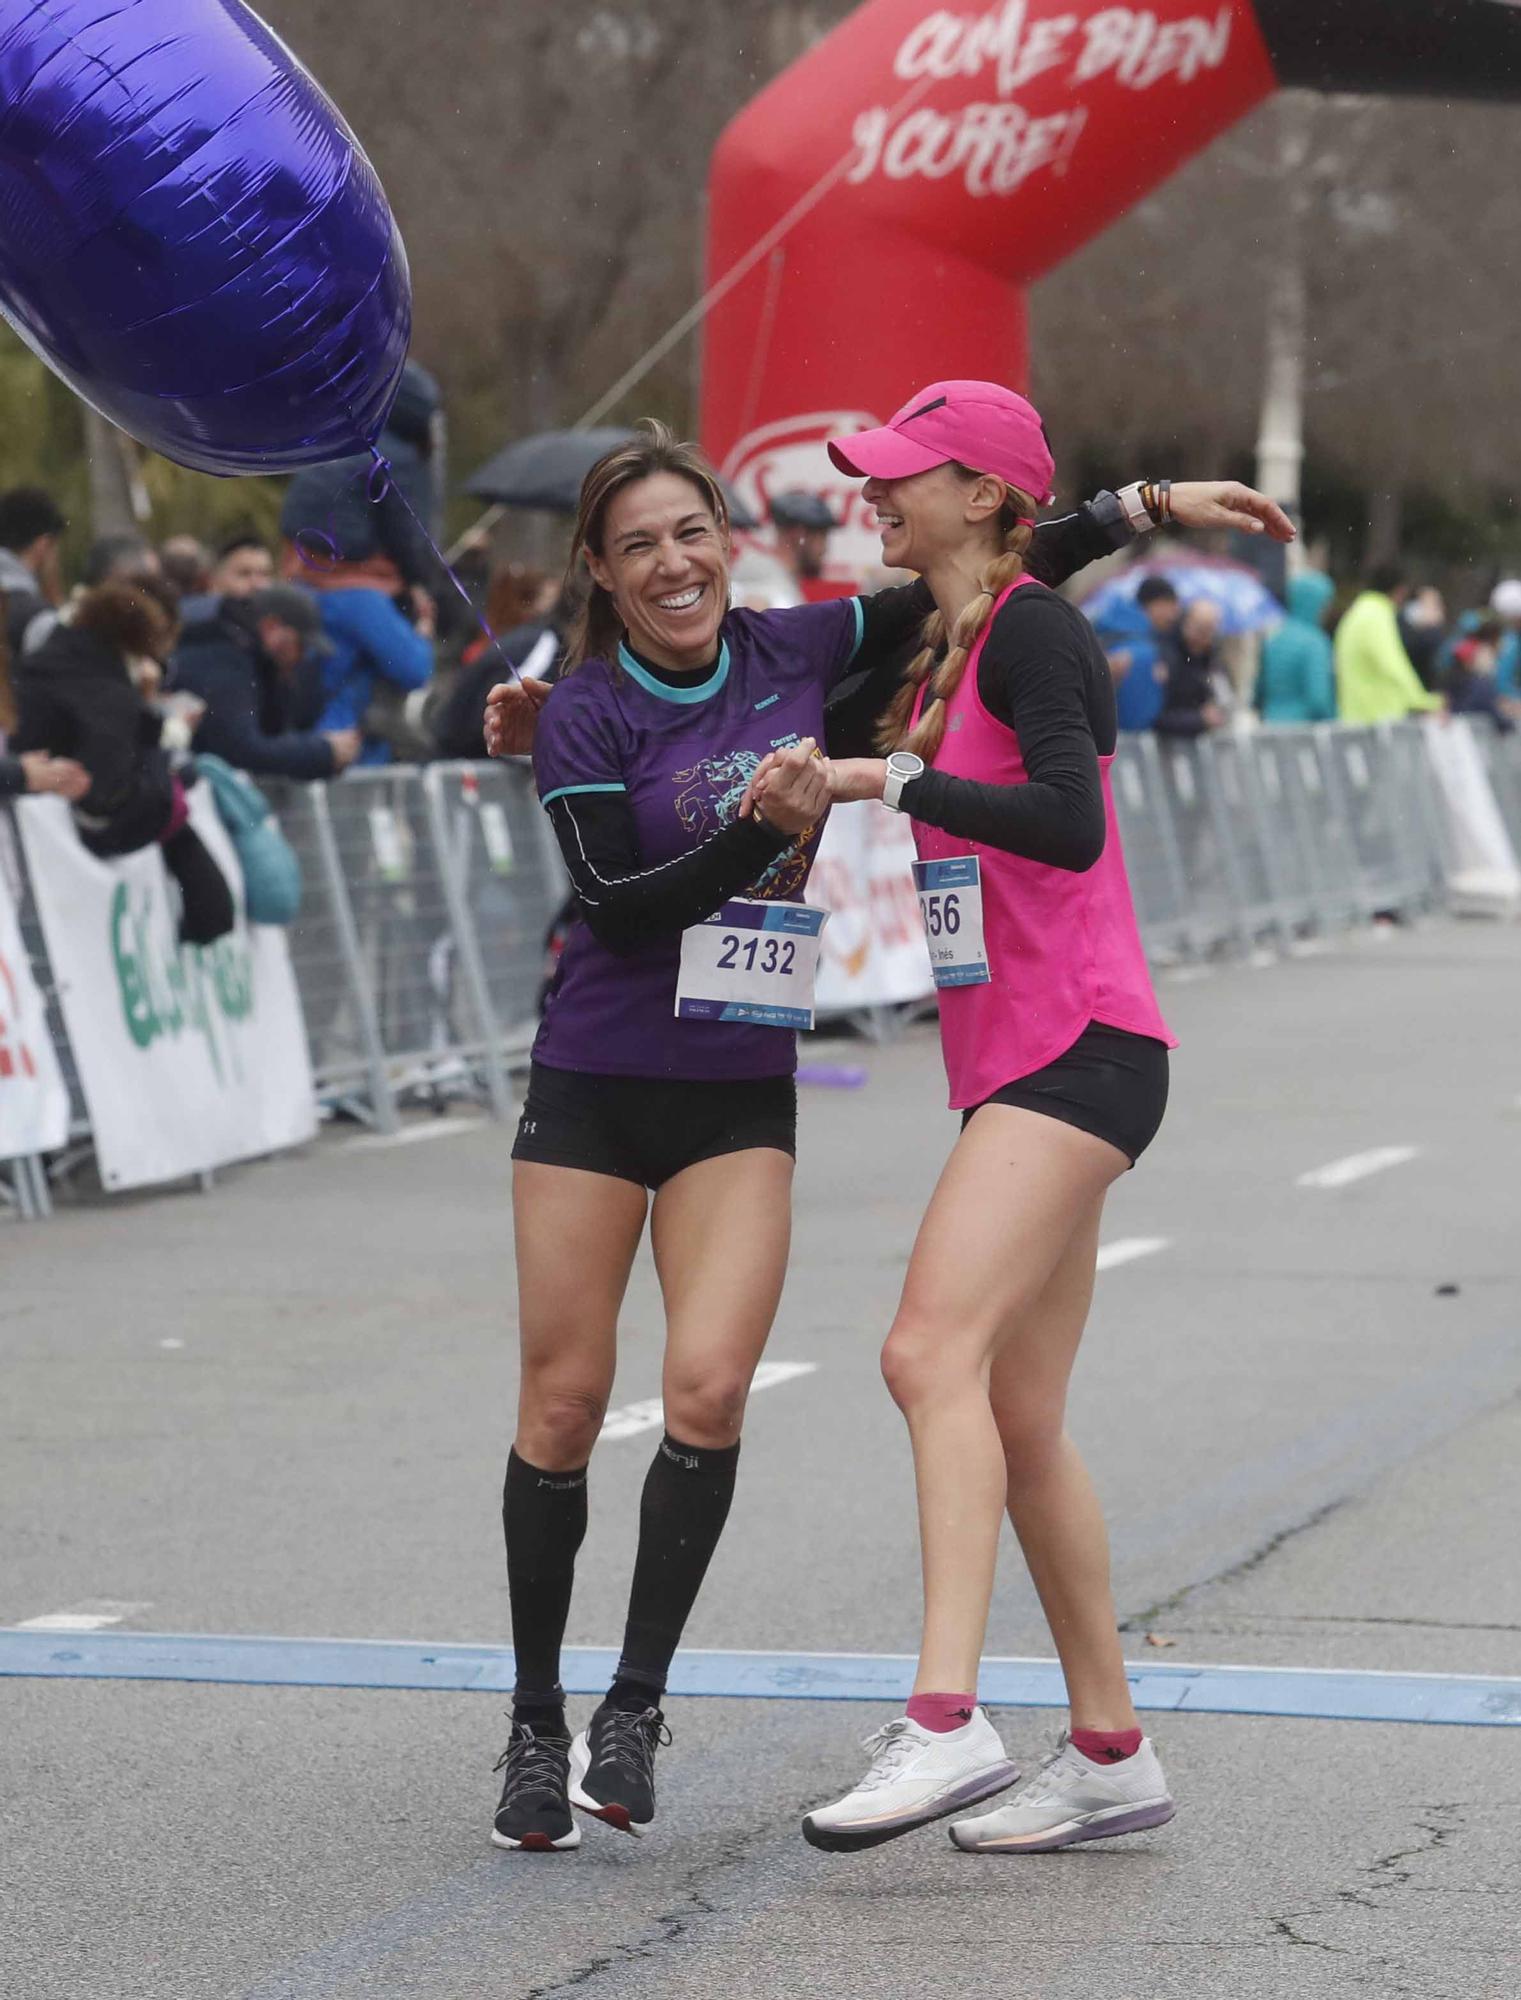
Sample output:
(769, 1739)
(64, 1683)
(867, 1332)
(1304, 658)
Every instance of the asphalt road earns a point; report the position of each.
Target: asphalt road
(282, 1408)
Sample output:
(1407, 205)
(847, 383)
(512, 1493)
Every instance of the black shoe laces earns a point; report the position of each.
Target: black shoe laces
(536, 1767)
(628, 1740)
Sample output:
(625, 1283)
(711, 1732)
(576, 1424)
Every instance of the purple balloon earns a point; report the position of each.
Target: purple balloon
(191, 236)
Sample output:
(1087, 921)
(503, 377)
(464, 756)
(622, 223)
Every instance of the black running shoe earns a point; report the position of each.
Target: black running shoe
(612, 1766)
(535, 1811)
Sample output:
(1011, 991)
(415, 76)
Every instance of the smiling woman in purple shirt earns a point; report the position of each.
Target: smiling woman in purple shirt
(662, 1079)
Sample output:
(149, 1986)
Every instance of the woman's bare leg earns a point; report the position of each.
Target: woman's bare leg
(576, 1236)
(1051, 1500)
(720, 1232)
(1015, 1191)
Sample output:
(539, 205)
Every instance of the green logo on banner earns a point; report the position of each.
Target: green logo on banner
(167, 988)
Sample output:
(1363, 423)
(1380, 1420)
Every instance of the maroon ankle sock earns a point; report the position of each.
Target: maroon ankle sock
(940, 1713)
(1106, 1746)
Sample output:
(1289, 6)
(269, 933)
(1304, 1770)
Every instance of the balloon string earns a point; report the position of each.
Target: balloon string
(380, 483)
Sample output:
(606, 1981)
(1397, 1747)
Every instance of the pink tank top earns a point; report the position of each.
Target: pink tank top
(1062, 949)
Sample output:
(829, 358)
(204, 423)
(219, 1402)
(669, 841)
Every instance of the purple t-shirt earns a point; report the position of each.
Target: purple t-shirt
(684, 756)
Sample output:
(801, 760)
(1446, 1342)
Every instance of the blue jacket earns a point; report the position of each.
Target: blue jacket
(1138, 693)
(372, 644)
(1297, 678)
(257, 719)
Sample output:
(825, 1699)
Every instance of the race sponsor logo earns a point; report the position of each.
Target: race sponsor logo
(168, 989)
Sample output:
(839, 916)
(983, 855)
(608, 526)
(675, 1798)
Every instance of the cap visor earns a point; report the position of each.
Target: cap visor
(883, 454)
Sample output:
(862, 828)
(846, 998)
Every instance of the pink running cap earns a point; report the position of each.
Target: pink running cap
(981, 425)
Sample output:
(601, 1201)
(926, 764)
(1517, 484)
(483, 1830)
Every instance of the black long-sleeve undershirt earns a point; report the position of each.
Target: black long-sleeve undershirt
(627, 905)
(1043, 675)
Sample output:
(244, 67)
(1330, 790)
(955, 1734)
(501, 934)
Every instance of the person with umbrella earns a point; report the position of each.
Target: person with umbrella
(1133, 633)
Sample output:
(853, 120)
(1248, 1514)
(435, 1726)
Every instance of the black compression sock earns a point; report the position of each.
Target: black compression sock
(543, 1713)
(686, 1502)
(632, 1696)
(544, 1521)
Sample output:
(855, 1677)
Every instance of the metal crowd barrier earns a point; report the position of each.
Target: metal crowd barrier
(419, 951)
(1236, 841)
(430, 890)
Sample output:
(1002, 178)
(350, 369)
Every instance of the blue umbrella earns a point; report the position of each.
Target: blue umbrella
(1246, 604)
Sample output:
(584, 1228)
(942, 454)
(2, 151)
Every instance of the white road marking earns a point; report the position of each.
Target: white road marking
(650, 1414)
(171, 1343)
(92, 1616)
(1357, 1167)
(1127, 1248)
(415, 1135)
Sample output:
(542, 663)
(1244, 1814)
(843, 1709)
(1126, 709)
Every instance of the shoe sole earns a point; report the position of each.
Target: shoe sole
(1107, 1825)
(610, 1815)
(538, 1843)
(853, 1840)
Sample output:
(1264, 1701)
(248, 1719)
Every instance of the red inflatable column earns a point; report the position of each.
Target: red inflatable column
(916, 171)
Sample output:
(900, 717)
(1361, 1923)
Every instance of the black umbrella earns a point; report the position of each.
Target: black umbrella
(546, 471)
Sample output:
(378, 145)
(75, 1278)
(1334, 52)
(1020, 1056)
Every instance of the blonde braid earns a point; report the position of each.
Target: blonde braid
(926, 736)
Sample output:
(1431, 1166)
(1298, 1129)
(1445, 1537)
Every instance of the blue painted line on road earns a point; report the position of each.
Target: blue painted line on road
(1301, 1692)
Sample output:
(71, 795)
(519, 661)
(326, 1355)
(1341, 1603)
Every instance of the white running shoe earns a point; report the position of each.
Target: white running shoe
(1071, 1799)
(916, 1775)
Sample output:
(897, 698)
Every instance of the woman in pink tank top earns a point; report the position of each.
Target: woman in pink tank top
(1056, 1052)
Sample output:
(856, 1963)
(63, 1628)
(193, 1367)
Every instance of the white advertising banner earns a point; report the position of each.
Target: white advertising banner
(34, 1100)
(874, 951)
(188, 1058)
(1482, 872)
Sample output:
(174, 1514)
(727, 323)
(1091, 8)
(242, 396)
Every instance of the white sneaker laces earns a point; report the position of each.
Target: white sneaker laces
(1050, 1778)
(891, 1747)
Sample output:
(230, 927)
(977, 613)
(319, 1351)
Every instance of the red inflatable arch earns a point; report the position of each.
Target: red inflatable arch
(921, 166)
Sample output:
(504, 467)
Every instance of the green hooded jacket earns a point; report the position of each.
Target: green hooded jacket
(1297, 679)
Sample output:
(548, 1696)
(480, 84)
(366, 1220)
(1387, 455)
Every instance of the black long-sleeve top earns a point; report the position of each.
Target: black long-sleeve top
(1036, 674)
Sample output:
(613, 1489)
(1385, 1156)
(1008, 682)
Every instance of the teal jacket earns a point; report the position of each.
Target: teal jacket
(1297, 679)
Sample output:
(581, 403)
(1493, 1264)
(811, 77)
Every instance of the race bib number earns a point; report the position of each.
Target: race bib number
(753, 962)
(950, 900)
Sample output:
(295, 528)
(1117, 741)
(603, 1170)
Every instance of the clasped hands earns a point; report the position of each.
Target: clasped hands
(791, 788)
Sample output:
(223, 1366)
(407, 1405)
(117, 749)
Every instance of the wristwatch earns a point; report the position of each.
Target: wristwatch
(1146, 505)
(902, 767)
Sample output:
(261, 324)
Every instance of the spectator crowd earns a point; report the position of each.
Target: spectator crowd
(1384, 651)
(338, 648)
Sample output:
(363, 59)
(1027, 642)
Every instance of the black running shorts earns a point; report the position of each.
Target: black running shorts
(646, 1129)
(1110, 1083)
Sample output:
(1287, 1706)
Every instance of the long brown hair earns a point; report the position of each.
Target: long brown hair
(1015, 524)
(598, 628)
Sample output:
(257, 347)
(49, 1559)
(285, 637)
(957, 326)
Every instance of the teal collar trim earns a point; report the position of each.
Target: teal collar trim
(860, 610)
(699, 691)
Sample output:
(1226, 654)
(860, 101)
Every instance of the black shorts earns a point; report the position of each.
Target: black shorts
(645, 1129)
(1110, 1083)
